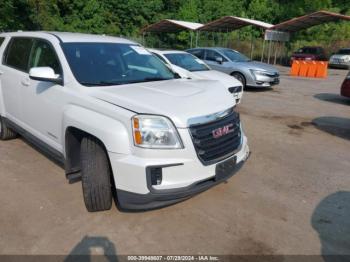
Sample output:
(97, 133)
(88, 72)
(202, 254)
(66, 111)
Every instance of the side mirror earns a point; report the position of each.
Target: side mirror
(219, 59)
(44, 74)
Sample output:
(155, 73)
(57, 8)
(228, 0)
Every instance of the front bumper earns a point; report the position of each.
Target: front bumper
(345, 88)
(183, 176)
(343, 65)
(132, 201)
(263, 81)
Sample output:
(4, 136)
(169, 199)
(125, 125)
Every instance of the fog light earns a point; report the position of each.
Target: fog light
(235, 89)
(156, 176)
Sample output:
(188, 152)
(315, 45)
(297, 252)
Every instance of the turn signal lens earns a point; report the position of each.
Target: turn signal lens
(138, 137)
(136, 123)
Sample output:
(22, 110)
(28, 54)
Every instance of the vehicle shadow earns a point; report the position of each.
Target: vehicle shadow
(257, 89)
(333, 98)
(336, 126)
(93, 246)
(331, 220)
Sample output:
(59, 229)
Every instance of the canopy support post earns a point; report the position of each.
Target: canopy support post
(251, 46)
(227, 37)
(269, 53)
(191, 34)
(263, 50)
(143, 38)
(276, 46)
(197, 35)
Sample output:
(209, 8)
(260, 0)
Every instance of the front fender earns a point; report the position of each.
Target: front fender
(114, 134)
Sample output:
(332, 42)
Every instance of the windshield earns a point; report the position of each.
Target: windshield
(102, 64)
(344, 52)
(235, 56)
(187, 61)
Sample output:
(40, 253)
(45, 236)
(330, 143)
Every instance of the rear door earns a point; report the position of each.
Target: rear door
(14, 72)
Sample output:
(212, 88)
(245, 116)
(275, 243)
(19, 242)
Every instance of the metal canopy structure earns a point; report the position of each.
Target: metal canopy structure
(228, 24)
(171, 26)
(306, 21)
(231, 23)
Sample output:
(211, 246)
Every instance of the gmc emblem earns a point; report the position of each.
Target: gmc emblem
(222, 131)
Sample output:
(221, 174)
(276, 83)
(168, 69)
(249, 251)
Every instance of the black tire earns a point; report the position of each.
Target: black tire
(240, 77)
(6, 133)
(96, 175)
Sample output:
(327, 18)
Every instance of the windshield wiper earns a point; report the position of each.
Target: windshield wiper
(148, 79)
(102, 83)
(113, 83)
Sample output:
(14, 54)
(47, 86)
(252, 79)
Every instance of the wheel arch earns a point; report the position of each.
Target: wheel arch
(242, 74)
(82, 122)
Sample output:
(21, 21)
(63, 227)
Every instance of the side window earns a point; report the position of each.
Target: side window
(17, 53)
(211, 55)
(1, 40)
(44, 55)
(198, 53)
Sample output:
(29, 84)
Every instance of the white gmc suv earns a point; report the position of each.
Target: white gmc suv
(118, 118)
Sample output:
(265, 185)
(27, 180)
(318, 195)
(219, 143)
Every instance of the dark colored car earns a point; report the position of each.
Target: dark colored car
(314, 53)
(345, 88)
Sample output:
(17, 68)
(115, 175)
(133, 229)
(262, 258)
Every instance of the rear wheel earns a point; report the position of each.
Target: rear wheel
(96, 175)
(6, 133)
(240, 77)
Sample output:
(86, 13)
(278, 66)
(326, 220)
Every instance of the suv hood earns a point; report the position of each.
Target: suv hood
(225, 79)
(340, 56)
(178, 99)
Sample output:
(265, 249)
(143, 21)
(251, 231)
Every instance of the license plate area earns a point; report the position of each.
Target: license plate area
(276, 81)
(225, 169)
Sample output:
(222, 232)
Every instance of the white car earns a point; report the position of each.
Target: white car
(340, 59)
(118, 118)
(189, 66)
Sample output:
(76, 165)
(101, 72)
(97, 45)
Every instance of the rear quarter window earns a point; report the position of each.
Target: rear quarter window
(18, 52)
(1, 40)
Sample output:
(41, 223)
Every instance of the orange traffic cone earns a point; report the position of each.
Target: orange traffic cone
(322, 69)
(294, 71)
(312, 69)
(304, 66)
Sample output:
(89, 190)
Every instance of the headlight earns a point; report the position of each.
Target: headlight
(260, 73)
(151, 131)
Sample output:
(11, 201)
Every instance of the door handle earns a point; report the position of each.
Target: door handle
(1, 72)
(25, 82)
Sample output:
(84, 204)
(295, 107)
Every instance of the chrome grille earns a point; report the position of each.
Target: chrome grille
(217, 140)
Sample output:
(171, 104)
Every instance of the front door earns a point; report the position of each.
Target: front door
(42, 102)
(211, 57)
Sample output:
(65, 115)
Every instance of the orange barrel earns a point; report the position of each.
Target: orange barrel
(294, 71)
(304, 66)
(312, 69)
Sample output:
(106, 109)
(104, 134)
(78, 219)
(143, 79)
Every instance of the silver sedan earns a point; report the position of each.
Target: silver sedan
(250, 73)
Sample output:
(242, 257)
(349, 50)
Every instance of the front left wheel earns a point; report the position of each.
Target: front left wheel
(240, 77)
(96, 175)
